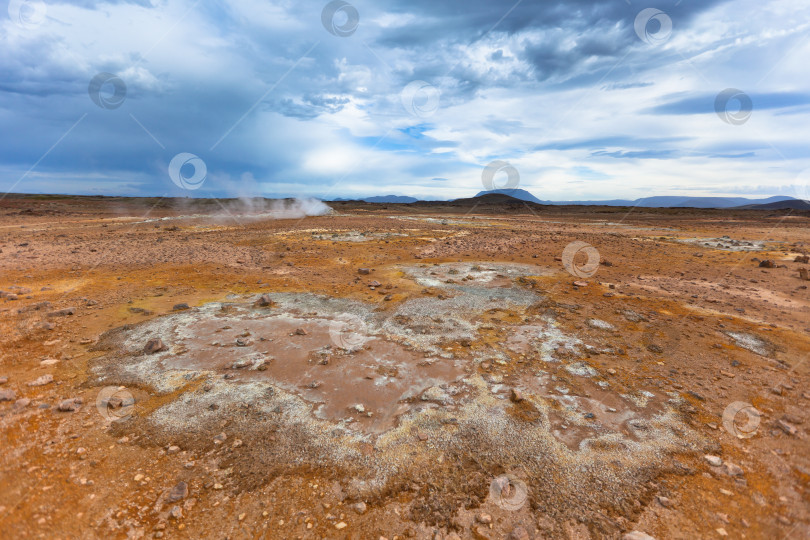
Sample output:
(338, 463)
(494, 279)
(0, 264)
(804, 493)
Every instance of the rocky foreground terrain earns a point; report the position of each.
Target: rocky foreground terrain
(484, 369)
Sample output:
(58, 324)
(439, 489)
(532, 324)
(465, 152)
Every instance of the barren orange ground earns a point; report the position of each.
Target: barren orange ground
(669, 313)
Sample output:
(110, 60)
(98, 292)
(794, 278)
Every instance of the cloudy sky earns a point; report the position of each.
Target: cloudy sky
(595, 99)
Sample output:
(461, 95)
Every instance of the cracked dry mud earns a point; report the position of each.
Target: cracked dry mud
(401, 371)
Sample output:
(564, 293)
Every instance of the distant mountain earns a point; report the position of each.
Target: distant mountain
(664, 201)
(391, 199)
(727, 202)
(520, 194)
(493, 197)
(790, 204)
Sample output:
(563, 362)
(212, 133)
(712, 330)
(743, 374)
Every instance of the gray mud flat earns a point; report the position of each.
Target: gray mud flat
(389, 399)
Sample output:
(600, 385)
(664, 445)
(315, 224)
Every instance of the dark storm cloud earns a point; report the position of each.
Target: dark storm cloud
(264, 90)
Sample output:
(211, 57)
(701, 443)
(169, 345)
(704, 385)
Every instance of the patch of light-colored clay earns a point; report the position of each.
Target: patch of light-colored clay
(600, 324)
(725, 243)
(581, 369)
(640, 398)
(552, 338)
(750, 342)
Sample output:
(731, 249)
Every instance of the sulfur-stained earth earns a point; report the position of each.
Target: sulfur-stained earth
(176, 369)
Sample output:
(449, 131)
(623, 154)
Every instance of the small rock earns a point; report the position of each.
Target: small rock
(42, 381)
(21, 403)
(180, 307)
(600, 324)
(767, 263)
(516, 395)
(714, 461)
(518, 533)
(480, 532)
(154, 345)
(341, 525)
(176, 513)
(363, 271)
(790, 429)
(300, 332)
(359, 408)
(486, 519)
(177, 493)
(637, 535)
(221, 438)
(7, 394)
(62, 312)
(580, 284)
(173, 449)
(241, 363)
(69, 405)
(360, 507)
(731, 469)
(3, 380)
(664, 501)
(264, 301)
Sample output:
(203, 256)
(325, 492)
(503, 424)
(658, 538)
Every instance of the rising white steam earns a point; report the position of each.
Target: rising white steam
(247, 207)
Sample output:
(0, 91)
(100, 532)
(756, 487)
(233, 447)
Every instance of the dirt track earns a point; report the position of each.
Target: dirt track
(467, 384)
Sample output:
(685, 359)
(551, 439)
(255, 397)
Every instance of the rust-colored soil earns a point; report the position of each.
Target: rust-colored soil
(466, 386)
